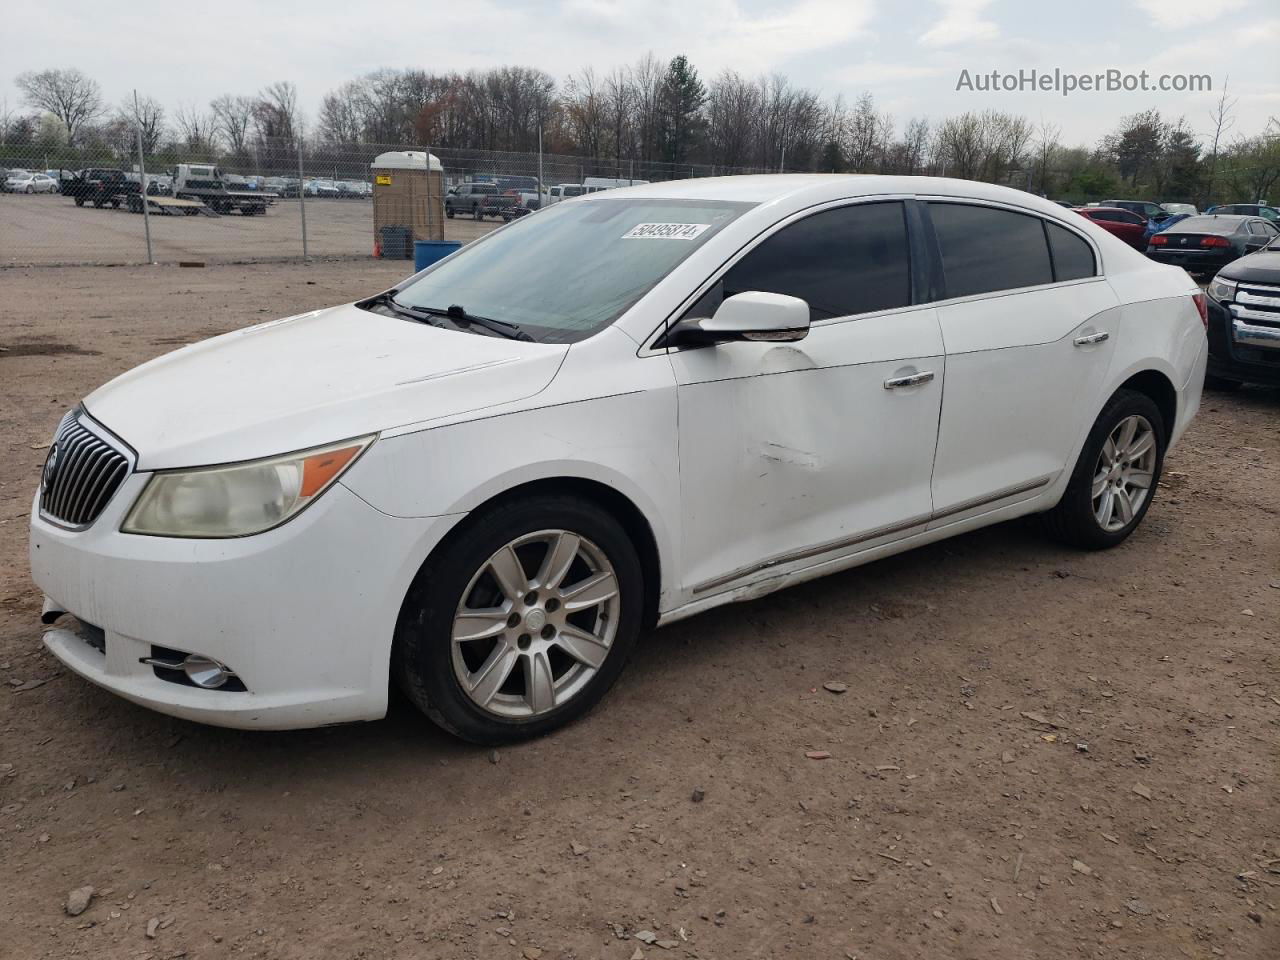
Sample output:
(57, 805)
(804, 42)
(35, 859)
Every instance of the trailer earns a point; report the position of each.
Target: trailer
(170, 206)
(206, 184)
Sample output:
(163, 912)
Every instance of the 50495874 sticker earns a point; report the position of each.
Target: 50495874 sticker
(665, 231)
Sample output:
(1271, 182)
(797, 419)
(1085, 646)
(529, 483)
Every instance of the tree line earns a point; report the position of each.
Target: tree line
(664, 117)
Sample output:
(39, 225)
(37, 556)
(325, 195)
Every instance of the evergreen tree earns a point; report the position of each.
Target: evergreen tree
(683, 95)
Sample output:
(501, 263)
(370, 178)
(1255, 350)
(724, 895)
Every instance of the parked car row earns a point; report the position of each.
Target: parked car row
(1238, 246)
(337, 188)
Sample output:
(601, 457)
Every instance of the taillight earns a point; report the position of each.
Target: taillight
(1159, 240)
(1202, 306)
(1215, 242)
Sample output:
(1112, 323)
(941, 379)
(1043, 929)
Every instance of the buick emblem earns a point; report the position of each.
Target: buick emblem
(50, 468)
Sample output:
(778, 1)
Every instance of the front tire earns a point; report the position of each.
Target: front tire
(521, 622)
(1115, 477)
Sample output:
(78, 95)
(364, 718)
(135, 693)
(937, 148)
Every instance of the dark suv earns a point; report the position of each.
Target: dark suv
(1244, 321)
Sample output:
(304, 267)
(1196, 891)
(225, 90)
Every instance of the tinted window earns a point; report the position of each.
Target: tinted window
(1072, 256)
(985, 249)
(842, 262)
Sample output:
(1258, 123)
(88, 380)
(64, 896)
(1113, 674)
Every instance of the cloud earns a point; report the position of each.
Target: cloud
(1176, 14)
(961, 23)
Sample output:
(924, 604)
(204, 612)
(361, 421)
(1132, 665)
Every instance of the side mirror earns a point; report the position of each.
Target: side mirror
(747, 316)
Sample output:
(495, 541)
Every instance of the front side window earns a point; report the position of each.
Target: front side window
(985, 249)
(842, 262)
(575, 267)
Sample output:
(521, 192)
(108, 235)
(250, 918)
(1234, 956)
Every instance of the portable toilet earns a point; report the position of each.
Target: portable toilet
(408, 202)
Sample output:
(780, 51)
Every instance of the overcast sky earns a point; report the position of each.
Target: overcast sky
(908, 54)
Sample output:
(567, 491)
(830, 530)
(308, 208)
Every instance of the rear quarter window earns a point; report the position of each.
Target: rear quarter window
(1072, 255)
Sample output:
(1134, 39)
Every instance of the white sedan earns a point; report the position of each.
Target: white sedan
(486, 482)
(30, 183)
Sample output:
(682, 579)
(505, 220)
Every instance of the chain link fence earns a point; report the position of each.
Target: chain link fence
(273, 200)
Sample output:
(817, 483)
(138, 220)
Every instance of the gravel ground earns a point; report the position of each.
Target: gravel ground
(46, 229)
(1040, 754)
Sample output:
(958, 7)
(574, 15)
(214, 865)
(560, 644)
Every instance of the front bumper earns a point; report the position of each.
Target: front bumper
(304, 614)
(1236, 355)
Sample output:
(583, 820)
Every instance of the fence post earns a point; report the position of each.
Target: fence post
(302, 203)
(142, 186)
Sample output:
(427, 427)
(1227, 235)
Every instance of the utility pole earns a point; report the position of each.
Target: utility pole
(142, 179)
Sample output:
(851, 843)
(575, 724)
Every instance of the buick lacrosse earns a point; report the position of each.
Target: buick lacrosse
(485, 482)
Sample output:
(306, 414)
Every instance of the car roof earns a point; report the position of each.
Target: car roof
(794, 188)
(1088, 210)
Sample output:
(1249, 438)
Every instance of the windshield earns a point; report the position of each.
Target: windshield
(565, 272)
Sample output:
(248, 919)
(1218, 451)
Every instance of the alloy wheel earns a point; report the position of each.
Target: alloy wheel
(535, 624)
(1124, 473)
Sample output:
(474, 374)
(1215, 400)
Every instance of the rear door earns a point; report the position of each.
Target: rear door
(1027, 351)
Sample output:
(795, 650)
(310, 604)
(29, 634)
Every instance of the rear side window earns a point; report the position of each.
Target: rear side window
(986, 249)
(842, 262)
(1072, 256)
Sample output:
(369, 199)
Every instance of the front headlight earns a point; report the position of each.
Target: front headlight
(1224, 291)
(239, 499)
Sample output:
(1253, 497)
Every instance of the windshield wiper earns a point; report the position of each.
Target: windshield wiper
(388, 299)
(460, 316)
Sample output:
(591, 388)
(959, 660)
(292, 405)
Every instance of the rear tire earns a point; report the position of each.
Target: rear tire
(1114, 480)
(485, 688)
(1221, 384)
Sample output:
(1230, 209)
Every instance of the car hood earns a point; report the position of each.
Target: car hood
(308, 380)
(1256, 268)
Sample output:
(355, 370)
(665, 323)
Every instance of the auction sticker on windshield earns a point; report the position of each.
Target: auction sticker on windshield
(665, 231)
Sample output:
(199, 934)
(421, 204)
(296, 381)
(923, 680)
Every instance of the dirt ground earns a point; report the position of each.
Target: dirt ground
(46, 229)
(1041, 753)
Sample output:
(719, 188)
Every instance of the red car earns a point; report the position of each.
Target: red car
(1128, 226)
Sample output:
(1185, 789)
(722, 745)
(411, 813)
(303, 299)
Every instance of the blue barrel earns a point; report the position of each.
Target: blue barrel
(427, 252)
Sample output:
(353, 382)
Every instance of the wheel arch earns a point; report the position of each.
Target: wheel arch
(1156, 385)
(609, 498)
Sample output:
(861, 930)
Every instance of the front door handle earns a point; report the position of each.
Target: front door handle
(893, 383)
(1092, 338)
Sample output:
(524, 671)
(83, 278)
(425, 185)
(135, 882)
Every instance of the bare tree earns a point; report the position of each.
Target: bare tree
(1046, 148)
(231, 119)
(1222, 120)
(70, 96)
(146, 115)
(195, 128)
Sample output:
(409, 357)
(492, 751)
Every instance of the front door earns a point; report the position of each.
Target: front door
(793, 453)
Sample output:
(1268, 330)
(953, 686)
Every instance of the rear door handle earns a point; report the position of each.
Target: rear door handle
(893, 383)
(1092, 338)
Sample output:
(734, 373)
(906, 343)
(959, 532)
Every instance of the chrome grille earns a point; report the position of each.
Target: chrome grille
(81, 473)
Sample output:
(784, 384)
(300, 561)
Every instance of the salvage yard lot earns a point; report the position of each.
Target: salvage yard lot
(51, 229)
(1040, 753)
